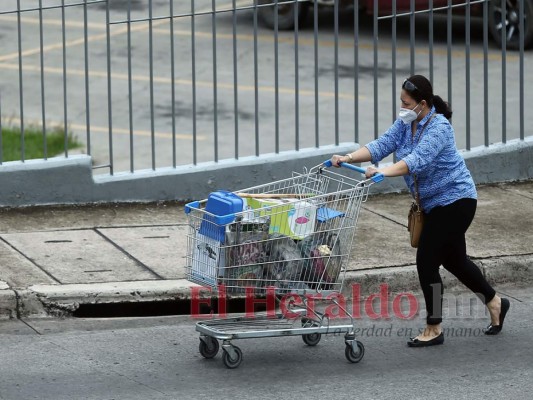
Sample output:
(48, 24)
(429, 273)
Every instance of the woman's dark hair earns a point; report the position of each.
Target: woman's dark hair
(419, 88)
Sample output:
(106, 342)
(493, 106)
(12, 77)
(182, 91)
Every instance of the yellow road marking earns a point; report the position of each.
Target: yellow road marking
(103, 129)
(137, 132)
(181, 82)
(494, 55)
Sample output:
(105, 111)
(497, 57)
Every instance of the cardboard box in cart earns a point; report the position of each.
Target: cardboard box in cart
(209, 258)
(292, 217)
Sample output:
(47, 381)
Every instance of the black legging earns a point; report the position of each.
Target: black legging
(443, 243)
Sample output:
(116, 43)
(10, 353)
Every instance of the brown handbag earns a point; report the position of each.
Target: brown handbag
(415, 218)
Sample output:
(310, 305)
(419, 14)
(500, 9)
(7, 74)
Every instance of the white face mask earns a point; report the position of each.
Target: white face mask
(407, 115)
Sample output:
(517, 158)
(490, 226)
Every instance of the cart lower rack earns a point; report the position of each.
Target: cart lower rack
(311, 331)
(292, 237)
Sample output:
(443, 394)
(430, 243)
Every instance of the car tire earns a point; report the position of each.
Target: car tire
(513, 23)
(285, 14)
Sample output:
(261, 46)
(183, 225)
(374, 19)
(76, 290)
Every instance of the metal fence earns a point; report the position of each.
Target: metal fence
(152, 84)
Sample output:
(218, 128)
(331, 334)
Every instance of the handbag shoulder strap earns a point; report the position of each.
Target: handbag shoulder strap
(417, 193)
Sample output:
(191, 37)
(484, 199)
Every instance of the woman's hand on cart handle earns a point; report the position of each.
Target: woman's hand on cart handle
(336, 160)
(377, 177)
(371, 171)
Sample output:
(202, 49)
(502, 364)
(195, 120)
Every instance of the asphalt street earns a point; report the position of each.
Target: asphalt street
(158, 358)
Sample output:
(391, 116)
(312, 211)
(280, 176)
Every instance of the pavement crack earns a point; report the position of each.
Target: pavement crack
(511, 296)
(30, 260)
(30, 326)
(384, 216)
(505, 189)
(130, 256)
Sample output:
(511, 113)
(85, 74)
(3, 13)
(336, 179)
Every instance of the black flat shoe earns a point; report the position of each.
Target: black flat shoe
(495, 329)
(414, 342)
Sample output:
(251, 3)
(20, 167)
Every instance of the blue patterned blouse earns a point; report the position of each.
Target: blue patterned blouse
(441, 171)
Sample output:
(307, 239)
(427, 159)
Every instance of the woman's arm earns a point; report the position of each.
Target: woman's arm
(397, 169)
(360, 155)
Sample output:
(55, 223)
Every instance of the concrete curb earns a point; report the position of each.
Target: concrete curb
(8, 304)
(498, 271)
(63, 300)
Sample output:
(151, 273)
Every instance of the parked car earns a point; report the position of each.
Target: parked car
(286, 14)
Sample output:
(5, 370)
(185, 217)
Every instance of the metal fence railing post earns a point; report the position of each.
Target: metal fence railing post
(215, 79)
(521, 17)
(109, 89)
(376, 91)
(235, 80)
(412, 38)
(467, 74)
(130, 91)
(151, 68)
(86, 65)
(336, 48)
(296, 80)
(449, 50)
(256, 83)
(21, 83)
(64, 64)
(504, 70)
(43, 96)
(431, 39)
(356, 71)
(173, 83)
(393, 60)
(276, 75)
(316, 87)
(193, 86)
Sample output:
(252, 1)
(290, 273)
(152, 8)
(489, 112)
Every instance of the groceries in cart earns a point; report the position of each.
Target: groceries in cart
(261, 240)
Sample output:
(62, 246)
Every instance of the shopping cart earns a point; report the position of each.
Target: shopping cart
(290, 239)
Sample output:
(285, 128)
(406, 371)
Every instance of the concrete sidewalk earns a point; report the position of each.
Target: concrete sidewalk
(53, 259)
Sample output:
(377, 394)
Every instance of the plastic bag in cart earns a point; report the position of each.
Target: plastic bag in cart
(322, 255)
(246, 253)
(285, 264)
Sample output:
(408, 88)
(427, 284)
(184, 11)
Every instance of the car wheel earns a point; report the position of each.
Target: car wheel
(285, 14)
(512, 22)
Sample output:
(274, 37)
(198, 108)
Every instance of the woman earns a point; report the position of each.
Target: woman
(424, 142)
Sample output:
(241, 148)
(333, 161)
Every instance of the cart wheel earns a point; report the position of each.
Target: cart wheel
(209, 347)
(232, 362)
(311, 339)
(351, 355)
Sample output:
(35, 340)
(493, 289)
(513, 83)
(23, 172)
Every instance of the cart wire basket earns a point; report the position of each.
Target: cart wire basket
(289, 240)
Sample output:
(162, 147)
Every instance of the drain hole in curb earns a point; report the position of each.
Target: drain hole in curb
(160, 308)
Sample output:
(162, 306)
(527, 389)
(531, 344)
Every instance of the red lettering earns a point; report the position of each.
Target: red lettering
(251, 301)
(197, 300)
(336, 310)
(311, 304)
(356, 300)
(287, 302)
(383, 298)
(222, 310)
(397, 305)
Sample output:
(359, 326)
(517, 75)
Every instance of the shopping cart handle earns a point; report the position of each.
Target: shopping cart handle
(376, 178)
(191, 205)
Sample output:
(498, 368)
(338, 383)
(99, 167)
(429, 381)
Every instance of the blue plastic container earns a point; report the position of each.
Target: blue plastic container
(223, 205)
